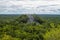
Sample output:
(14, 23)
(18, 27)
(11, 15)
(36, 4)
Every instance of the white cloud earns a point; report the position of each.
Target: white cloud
(29, 0)
(41, 6)
(29, 3)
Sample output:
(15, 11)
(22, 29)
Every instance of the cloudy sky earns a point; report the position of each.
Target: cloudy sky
(29, 6)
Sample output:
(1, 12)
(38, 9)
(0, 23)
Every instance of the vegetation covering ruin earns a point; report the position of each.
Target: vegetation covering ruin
(20, 27)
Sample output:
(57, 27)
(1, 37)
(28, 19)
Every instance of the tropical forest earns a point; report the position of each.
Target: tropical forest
(29, 27)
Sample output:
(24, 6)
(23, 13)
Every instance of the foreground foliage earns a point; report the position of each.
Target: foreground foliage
(54, 34)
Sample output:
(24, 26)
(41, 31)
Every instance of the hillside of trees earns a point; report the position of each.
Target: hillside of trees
(22, 28)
